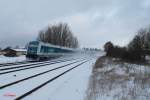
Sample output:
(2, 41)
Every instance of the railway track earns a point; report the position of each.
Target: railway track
(24, 62)
(20, 62)
(21, 66)
(36, 75)
(11, 66)
(25, 67)
(16, 79)
(50, 80)
(13, 63)
(32, 80)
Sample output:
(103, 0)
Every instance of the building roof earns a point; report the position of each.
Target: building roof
(20, 50)
(17, 50)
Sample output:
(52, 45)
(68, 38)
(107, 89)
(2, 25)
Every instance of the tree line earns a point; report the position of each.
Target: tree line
(134, 51)
(58, 34)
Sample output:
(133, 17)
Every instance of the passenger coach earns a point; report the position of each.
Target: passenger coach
(38, 50)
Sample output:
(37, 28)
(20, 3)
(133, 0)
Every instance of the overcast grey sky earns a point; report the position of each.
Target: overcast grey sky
(93, 21)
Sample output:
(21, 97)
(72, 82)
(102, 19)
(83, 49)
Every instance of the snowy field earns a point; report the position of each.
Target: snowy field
(117, 80)
(4, 59)
(72, 85)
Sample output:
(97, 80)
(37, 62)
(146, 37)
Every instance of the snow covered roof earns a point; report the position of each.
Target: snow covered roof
(20, 50)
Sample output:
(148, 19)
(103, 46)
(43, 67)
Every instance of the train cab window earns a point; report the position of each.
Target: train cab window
(32, 49)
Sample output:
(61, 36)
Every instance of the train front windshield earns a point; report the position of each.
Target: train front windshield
(33, 47)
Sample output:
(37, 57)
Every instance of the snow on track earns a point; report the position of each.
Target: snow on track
(15, 64)
(27, 85)
(5, 79)
(4, 59)
(23, 67)
(26, 67)
(78, 76)
(72, 86)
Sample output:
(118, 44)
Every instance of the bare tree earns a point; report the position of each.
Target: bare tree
(41, 36)
(141, 41)
(59, 34)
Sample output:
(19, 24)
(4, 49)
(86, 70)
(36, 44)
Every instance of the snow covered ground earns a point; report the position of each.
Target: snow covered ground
(118, 80)
(70, 86)
(4, 59)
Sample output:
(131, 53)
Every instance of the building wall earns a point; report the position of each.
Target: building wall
(12, 52)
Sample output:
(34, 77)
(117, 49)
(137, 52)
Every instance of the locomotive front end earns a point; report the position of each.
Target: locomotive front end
(32, 50)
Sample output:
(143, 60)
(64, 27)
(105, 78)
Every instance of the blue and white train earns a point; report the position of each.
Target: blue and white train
(39, 51)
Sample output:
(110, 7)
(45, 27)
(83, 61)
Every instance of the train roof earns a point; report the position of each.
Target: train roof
(50, 45)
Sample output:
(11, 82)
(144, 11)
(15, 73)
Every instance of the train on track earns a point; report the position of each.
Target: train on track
(37, 50)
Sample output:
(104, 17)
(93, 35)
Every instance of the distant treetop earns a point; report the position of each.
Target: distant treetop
(59, 34)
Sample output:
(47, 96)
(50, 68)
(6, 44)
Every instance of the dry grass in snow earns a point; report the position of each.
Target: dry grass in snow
(116, 80)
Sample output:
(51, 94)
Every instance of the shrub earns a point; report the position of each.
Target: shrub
(123, 52)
